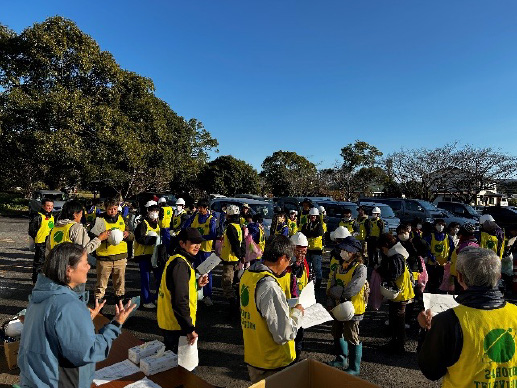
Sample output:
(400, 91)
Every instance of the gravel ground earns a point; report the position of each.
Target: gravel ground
(221, 349)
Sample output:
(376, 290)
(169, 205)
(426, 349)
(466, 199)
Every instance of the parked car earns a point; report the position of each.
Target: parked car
(57, 196)
(448, 217)
(503, 215)
(459, 209)
(287, 203)
(387, 215)
(479, 209)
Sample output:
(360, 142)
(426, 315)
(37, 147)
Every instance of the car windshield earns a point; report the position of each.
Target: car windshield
(471, 210)
(427, 205)
(265, 209)
(386, 212)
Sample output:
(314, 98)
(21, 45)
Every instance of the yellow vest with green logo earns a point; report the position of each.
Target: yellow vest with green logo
(293, 227)
(405, 286)
(90, 217)
(334, 262)
(167, 217)
(302, 281)
(304, 218)
(488, 357)
(164, 314)
(260, 350)
(176, 220)
(342, 279)
(61, 234)
(440, 249)
(348, 224)
(375, 231)
(140, 249)
(315, 243)
(491, 242)
(226, 251)
(47, 223)
(204, 229)
(285, 284)
(106, 249)
(362, 229)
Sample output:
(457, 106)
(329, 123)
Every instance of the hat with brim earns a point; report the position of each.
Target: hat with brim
(351, 245)
(190, 234)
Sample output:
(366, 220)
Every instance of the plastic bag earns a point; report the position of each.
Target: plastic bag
(424, 276)
(253, 251)
(218, 246)
(448, 281)
(156, 252)
(375, 299)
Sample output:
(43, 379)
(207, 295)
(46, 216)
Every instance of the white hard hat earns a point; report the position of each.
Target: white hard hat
(115, 237)
(293, 211)
(162, 200)
(389, 292)
(14, 328)
(299, 239)
(314, 212)
(232, 210)
(180, 201)
(344, 311)
(151, 233)
(340, 232)
(486, 217)
(150, 203)
(322, 209)
(376, 210)
(119, 208)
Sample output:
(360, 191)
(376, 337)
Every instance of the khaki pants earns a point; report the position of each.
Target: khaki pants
(227, 279)
(348, 329)
(258, 374)
(104, 269)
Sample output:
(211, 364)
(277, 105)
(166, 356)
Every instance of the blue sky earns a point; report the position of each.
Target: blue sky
(312, 77)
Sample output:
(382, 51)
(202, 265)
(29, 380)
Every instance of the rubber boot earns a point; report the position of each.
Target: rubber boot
(341, 349)
(355, 355)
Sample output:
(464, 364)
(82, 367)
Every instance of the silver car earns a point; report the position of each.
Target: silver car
(57, 196)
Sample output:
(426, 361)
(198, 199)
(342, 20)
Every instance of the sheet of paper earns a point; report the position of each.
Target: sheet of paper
(115, 372)
(438, 302)
(144, 383)
(209, 264)
(315, 315)
(187, 354)
(307, 296)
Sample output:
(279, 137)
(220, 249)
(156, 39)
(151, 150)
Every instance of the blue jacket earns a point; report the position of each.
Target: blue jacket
(59, 347)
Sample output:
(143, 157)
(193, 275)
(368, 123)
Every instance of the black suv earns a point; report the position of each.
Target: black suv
(459, 209)
(503, 216)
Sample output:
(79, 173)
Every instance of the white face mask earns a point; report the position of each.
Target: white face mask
(375, 216)
(153, 216)
(439, 228)
(347, 218)
(403, 237)
(419, 226)
(344, 255)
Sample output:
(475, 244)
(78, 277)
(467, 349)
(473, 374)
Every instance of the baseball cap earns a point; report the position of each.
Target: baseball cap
(190, 234)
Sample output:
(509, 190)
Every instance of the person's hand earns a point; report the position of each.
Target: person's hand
(122, 312)
(97, 309)
(104, 235)
(300, 307)
(203, 280)
(126, 233)
(191, 337)
(424, 319)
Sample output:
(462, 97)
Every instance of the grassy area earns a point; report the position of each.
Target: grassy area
(13, 205)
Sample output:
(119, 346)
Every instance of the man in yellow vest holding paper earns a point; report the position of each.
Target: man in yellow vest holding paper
(40, 227)
(473, 344)
(269, 326)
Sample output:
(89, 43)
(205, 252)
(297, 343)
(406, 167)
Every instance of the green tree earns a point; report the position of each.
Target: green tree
(229, 176)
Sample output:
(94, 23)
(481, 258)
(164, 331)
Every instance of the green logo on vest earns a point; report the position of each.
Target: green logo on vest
(51, 224)
(340, 283)
(245, 296)
(58, 237)
(201, 230)
(490, 244)
(333, 267)
(438, 248)
(168, 212)
(499, 345)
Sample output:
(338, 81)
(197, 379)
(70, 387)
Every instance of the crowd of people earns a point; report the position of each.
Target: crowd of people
(260, 274)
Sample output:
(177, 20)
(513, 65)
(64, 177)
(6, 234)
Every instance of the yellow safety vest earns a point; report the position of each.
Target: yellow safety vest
(293, 227)
(440, 249)
(304, 218)
(302, 281)
(141, 250)
(204, 229)
(164, 313)
(106, 249)
(167, 217)
(281, 231)
(262, 239)
(491, 242)
(342, 279)
(226, 251)
(323, 224)
(375, 231)
(285, 284)
(47, 223)
(90, 217)
(260, 350)
(348, 224)
(362, 229)
(334, 263)
(488, 357)
(405, 286)
(176, 220)
(61, 234)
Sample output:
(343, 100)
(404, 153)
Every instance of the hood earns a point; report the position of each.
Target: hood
(64, 222)
(46, 288)
(398, 249)
(260, 267)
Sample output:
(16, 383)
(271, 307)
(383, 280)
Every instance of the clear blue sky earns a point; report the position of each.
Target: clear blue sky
(310, 76)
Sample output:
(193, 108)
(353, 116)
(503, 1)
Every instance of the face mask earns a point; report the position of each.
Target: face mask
(153, 216)
(419, 226)
(344, 255)
(439, 228)
(347, 218)
(403, 237)
(456, 230)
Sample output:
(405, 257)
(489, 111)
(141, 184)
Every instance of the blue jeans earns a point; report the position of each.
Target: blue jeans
(145, 280)
(314, 261)
(200, 257)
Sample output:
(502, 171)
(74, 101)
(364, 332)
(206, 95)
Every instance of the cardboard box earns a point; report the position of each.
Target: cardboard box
(11, 353)
(158, 362)
(312, 374)
(136, 353)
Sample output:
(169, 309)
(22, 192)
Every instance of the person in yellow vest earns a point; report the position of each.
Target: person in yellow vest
(177, 297)
(338, 236)
(347, 282)
(473, 344)
(292, 223)
(256, 230)
(165, 217)
(395, 272)
(111, 259)
(93, 212)
(374, 227)
(490, 235)
(440, 245)
(313, 230)
(349, 222)
(361, 221)
(245, 212)
(205, 223)
(146, 237)
(269, 326)
(281, 226)
(323, 218)
(231, 253)
(179, 217)
(304, 214)
(466, 239)
(40, 226)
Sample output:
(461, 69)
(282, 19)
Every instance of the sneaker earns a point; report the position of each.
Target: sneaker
(149, 305)
(208, 301)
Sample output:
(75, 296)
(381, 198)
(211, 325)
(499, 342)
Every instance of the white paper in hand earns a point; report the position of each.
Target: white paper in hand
(209, 264)
(315, 315)
(187, 354)
(307, 296)
(438, 302)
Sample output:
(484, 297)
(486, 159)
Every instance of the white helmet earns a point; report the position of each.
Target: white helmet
(344, 311)
(14, 328)
(340, 232)
(314, 212)
(299, 239)
(322, 210)
(180, 201)
(486, 217)
(388, 292)
(295, 212)
(119, 208)
(151, 233)
(232, 210)
(115, 237)
(150, 203)
(162, 200)
(376, 210)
